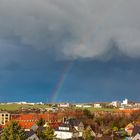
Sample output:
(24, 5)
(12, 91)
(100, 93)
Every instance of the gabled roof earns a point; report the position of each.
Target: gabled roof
(137, 137)
(29, 133)
(34, 127)
(73, 122)
(136, 130)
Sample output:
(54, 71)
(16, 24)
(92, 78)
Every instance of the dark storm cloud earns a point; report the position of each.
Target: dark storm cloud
(76, 29)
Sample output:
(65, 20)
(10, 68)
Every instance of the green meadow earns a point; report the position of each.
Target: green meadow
(92, 109)
(14, 107)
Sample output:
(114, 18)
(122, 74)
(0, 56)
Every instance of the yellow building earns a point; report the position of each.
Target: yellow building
(4, 118)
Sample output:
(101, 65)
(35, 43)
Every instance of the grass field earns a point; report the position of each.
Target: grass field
(101, 109)
(13, 107)
(92, 109)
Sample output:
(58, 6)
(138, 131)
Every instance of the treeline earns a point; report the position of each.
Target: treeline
(106, 122)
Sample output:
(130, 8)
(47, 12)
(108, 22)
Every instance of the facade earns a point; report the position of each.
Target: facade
(116, 104)
(79, 105)
(125, 102)
(4, 118)
(64, 105)
(83, 105)
(65, 132)
(97, 105)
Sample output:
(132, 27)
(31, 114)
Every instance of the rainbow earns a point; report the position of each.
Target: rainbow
(60, 82)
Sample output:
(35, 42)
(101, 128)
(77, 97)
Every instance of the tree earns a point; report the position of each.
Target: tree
(49, 133)
(87, 113)
(40, 122)
(115, 129)
(13, 132)
(87, 134)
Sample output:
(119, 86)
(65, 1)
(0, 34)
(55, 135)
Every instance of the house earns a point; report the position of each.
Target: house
(78, 125)
(31, 135)
(71, 128)
(65, 132)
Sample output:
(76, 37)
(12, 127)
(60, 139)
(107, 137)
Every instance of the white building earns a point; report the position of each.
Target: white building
(97, 105)
(69, 130)
(64, 105)
(79, 105)
(65, 132)
(125, 102)
(86, 106)
(116, 103)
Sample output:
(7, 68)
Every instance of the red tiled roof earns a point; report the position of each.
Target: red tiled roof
(26, 125)
(28, 120)
(34, 116)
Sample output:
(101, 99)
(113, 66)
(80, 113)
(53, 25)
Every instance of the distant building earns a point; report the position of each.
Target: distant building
(83, 105)
(4, 118)
(125, 102)
(137, 105)
(79, 105)
(64, 105)
(116, 104)
(97, 105)
(86, 106)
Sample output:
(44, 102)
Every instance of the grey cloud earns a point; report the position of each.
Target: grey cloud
(76, 29)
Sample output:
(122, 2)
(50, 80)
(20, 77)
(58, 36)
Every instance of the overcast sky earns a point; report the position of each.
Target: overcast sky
(81, 50)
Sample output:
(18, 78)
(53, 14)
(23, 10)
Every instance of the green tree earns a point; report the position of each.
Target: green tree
(87, 113)
(115, 129)
(13, 132)
(87, 134)
(40, 122)
(49, 133)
